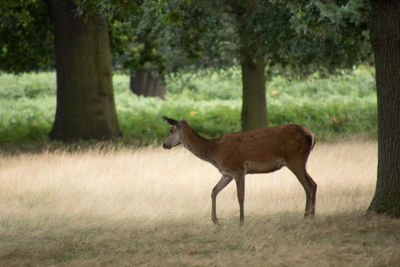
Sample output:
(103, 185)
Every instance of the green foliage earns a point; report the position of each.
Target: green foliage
(135, 37)
(171, 35)
(27, 85)
(333, 107)
(331, 34)
(299, 36)
(26, 41)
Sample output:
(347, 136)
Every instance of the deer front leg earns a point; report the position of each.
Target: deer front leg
(239, 179)
(224, 181)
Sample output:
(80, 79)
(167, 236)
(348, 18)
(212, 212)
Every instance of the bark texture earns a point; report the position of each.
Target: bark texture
(147, 83)
(85, 100)
(385, 35)
(254, 105)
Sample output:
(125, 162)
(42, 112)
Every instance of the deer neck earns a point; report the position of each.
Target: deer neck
(201, 147)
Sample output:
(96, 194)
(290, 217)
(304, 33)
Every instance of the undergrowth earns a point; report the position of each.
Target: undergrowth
(333, 107)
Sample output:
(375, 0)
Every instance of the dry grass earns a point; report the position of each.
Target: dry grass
(152, 207)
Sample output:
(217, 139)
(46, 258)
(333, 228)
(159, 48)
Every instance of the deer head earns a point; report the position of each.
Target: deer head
(174, 137)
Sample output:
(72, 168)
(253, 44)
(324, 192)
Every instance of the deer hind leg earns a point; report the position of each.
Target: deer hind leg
(310, 187)
(313, 186)
(223, 182)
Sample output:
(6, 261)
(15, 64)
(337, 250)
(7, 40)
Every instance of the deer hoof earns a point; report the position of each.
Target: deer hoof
(215, 221)
(309, 215)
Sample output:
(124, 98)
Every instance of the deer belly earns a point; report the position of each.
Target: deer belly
(264, 167)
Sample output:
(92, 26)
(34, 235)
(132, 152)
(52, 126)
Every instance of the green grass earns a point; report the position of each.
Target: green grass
(333, 107)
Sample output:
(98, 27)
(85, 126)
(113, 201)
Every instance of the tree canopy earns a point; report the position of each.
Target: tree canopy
(295, 37)
(263, 37)
(299, 36)
(26, 40)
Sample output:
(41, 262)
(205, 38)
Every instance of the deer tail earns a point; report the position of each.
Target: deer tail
(310, 137)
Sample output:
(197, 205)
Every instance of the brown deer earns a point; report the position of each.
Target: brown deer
(258, 151)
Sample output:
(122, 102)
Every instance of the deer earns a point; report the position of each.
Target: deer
(262, 150)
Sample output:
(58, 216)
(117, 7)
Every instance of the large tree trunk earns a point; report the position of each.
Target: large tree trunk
(385, 35)
(254, 105)
(85, 101)
(147, 83)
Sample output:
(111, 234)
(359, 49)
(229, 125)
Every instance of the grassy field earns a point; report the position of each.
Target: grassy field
(151, 207)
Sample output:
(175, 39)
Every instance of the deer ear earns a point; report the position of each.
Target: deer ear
(170, 121)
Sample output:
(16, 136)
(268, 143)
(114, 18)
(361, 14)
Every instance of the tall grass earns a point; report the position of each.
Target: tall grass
(151, 207)
(335, 106)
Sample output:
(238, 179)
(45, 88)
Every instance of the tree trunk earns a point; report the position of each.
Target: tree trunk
(147, 83)
(385, 36)
(254, 105)
(85, 101)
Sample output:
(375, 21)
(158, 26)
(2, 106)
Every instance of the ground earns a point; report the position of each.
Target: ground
(152, 207)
